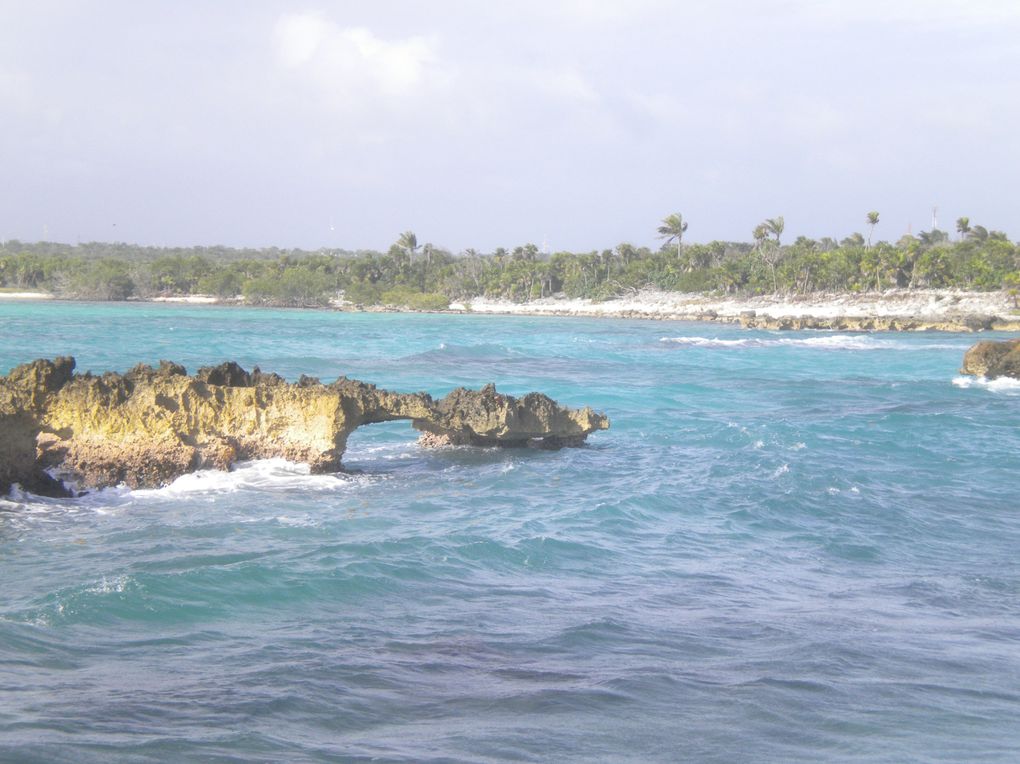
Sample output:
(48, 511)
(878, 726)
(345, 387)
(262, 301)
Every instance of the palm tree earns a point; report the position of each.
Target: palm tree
(933, 237)
(409, 243)
(673, 227)
(768, 250)
(872, 221)
(626, 253)
(963, 227)
(978, 233)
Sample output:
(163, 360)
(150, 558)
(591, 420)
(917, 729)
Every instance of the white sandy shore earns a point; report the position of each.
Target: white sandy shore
(929, 304)
(191, 299)
(25, 296)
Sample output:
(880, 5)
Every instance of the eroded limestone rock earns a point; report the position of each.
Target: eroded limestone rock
(485, 417)
(993, 359)
(950, 323)
(151, 425)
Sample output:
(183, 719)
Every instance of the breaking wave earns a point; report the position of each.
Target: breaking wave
(826, 342)
(277, 475)
(263, 475)
(999, 385)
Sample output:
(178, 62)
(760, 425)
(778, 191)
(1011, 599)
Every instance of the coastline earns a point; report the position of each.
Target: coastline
(951, 310)
(892, 310)
(26, 296)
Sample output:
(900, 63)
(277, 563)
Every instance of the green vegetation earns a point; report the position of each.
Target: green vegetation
(425, 277)
(405, 297)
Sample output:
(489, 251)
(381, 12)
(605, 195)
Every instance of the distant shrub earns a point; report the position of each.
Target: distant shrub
(294, 287)
(402, 297)
(363, 294)
(223, 283)
(103, 280)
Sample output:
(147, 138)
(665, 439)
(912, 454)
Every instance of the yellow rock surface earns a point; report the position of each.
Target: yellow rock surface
(149, 426)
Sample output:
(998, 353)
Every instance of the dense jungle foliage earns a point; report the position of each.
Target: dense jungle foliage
(427, 277)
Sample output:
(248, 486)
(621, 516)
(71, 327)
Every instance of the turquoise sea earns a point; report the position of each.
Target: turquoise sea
(790, 547)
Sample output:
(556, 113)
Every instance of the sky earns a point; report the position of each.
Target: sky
(572, 125)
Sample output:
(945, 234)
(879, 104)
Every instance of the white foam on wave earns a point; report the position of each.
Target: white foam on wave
(277, 475)
(1006, 385)
(828, 342)
(45, 509)
(840, 342)
(264, 475)
(116, 585)
(708, 342)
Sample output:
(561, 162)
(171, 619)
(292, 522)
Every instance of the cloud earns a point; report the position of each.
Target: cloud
(363, 84)
(981, 13)
(562, 84)
(353, 67)
(298, 38)
(661, 107)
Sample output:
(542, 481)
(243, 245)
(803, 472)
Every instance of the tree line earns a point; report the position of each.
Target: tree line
(428, 277)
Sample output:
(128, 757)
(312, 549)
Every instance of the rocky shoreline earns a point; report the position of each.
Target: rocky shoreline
(148, 426)
(893, 310)
(915, 310)
(969, 322)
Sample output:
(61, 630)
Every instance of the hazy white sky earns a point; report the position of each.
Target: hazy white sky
(495, 124)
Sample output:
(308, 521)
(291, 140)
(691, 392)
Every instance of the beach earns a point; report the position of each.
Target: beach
(891, 310)
(892, 303)
(4, 295)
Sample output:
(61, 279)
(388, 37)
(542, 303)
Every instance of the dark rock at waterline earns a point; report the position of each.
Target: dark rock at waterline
(971, 322)
(992, 359)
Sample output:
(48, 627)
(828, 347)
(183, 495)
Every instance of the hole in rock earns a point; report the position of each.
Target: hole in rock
(381, 447)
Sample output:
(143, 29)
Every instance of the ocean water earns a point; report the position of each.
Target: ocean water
(789, 547)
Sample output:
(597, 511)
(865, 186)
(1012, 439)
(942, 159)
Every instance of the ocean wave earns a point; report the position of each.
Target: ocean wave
(275, 475)
(263, 475)
(999, 385)
(483, 351)
(87, 601)
(827, 342)
(710, 342)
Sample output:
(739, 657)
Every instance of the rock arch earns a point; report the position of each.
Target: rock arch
(150, 425)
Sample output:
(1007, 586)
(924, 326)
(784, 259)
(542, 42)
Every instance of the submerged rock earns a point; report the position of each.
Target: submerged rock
(151, 425)
(993, 359)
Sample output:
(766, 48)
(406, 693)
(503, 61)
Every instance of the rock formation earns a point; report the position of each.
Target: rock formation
(993, 359)
(151, 425)
(969, 322)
